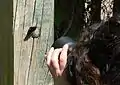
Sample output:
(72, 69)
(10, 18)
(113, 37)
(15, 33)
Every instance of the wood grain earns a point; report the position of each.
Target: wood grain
(28, 55)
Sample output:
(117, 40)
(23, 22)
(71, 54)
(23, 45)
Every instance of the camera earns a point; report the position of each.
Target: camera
(60, 42)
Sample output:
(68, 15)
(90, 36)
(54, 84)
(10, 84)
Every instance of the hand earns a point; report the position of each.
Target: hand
(56, 60)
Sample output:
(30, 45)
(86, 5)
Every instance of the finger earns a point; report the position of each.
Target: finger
(63, 58)
(54, 60)
(48, 56)
(52, 71)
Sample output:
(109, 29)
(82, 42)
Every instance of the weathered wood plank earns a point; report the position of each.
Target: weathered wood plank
(28, 69)
(22, 49)
(38, 74)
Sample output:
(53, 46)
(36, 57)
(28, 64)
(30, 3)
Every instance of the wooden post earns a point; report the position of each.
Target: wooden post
(29, 55)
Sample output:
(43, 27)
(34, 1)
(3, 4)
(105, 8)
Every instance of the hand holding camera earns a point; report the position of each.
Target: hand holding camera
(57, 58)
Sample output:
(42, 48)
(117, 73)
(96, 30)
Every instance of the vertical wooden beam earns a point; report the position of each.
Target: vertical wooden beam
(28, 55)
(6, 43)
(38, 73)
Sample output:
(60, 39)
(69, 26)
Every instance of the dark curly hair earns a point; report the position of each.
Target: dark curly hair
(96, 58)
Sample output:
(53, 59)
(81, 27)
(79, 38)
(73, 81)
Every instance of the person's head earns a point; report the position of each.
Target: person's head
(96, 62)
